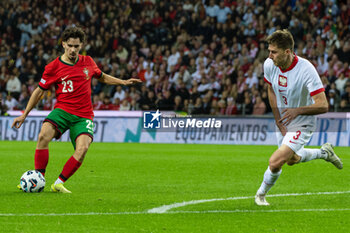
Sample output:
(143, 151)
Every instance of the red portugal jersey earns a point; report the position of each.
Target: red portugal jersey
(72, 83)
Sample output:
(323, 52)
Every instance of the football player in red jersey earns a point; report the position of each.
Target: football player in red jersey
(71, 74)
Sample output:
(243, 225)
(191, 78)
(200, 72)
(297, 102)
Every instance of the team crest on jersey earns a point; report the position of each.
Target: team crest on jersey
(282, 81)
(86, 72)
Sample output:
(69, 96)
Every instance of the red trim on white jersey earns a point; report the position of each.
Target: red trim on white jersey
(294, 63)
(267, 81)
(317, 91)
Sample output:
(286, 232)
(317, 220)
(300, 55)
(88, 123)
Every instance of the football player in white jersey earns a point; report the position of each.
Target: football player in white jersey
(296, 95)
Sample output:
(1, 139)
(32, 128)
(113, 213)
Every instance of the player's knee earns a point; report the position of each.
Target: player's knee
(43, 138)
(82, 149)
(290, 163)
(294, 160)
(81, 152)
(274, 166)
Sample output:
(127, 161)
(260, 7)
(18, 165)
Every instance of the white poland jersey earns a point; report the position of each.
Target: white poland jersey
(294, 87)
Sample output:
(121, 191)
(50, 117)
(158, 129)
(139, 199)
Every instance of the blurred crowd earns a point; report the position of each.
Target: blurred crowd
(194, 56)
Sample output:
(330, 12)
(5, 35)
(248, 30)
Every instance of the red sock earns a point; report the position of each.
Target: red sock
(69, 168)
(41, 158)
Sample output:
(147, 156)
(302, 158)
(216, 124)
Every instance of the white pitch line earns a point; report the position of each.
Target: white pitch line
(253, 211)
(172, 212)
(67, 214)
(165, 208)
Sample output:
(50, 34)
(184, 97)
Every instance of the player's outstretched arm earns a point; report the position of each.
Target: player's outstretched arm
(34, 99)
(108, 79)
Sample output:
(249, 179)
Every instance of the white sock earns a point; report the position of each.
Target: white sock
(58, 181)
(311, 154)
(270, 179)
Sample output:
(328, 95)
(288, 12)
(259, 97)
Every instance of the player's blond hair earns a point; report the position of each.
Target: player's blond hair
(283, 39)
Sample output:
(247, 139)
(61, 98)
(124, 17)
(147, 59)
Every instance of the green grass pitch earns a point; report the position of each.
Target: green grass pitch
(118, 183)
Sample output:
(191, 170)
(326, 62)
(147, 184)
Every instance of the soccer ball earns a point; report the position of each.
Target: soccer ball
(32, 182)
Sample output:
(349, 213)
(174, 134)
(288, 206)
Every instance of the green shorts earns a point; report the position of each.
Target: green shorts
(63, 121)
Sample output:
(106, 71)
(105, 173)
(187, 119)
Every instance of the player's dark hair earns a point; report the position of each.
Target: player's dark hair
(283, 39)
(73, 32)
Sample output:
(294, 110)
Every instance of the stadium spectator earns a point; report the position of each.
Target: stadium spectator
(221, 108)
(178, 106)
(11, 102)
(206, 104)
(322, 65)
(264, 97)
(247, 106)
(3, 108)
(165, 102)
(13, 86)
(204, 86)
(48, 103)
(212, 9)
(106, 104)
(125, 106)
(116, 104)
(197, 107)
(25, 27)
(23, 98)
(119, 94)
(341, 82)
(251, 79)
(184, 75)
(333, 100)
(3, 78)
(96, 102)
(222, 12)
(148, 102)
(346, 96)
(96, 87)
(259, 107)
(188, 6)
(231, 108)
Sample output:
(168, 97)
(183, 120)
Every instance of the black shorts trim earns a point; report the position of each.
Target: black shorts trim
(56, 127)
(92, 138)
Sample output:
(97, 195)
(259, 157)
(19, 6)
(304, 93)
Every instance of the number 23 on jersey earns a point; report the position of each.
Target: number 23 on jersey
(67, 86)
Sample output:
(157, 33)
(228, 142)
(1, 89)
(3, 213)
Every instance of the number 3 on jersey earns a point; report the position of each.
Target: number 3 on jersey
(285, 100)
(67, 86)
(297, 135)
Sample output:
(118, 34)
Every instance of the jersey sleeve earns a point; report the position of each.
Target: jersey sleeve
(48, 78)
(313, 83)
(267, 71)
(96, 72)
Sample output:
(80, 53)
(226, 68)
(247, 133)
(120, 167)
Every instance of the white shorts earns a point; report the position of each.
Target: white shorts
(295, 140)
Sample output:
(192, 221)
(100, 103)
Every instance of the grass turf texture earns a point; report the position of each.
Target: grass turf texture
(120, 178)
